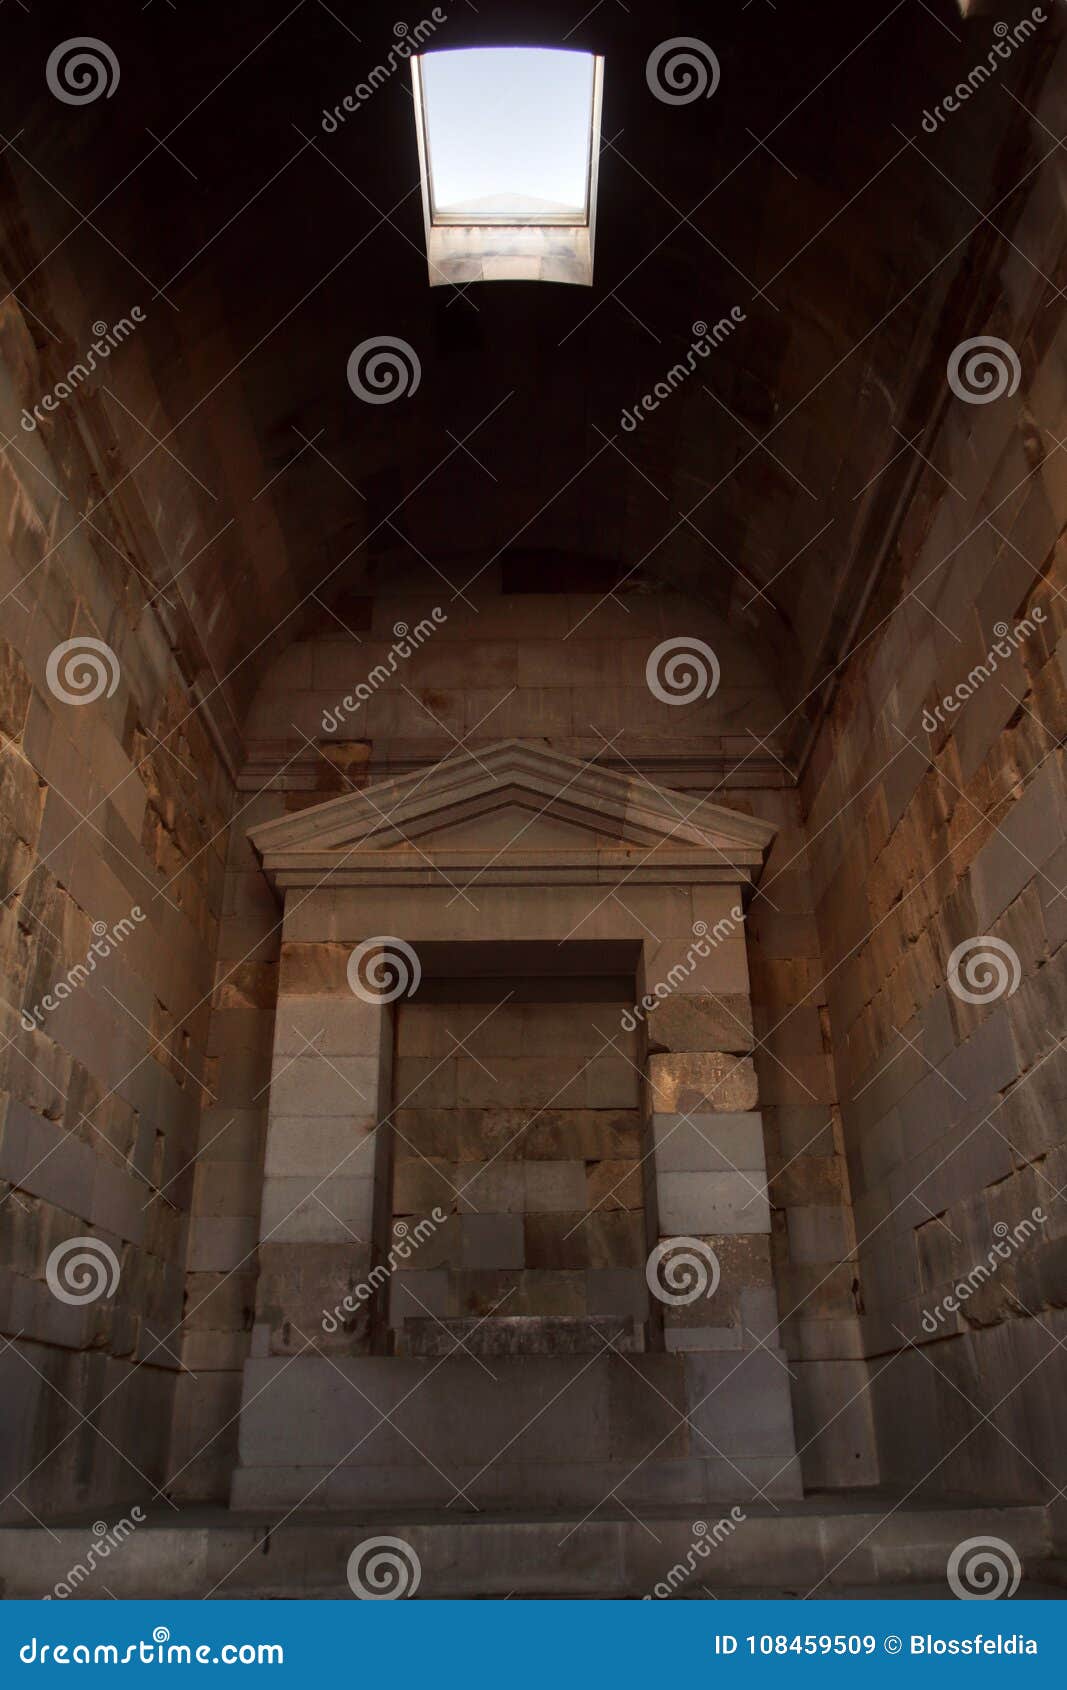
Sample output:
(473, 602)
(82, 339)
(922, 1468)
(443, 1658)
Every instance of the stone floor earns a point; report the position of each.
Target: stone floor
(854, 1546)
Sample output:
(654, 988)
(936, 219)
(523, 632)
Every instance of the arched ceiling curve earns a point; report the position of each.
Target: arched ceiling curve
(263, 248)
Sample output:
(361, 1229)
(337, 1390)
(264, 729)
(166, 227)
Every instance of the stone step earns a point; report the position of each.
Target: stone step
(842, 1547)
(520, 1335)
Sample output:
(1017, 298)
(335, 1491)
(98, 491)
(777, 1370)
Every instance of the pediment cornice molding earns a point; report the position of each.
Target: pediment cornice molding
(397, 832)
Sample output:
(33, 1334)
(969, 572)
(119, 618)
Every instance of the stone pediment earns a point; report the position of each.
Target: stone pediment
(516, 812)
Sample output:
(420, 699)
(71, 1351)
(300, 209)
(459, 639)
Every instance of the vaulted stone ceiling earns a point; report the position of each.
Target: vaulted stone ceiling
(263, 249)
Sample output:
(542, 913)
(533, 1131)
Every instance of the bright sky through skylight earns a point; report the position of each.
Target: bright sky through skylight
(508, 130)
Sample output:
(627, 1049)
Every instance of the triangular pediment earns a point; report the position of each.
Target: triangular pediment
(517, 799)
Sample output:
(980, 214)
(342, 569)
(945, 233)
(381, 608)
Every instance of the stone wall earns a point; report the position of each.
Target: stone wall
(813, 1238)
(114, 800)
(486, 665)
(936, 807)
(569, 667)
(524, 1129)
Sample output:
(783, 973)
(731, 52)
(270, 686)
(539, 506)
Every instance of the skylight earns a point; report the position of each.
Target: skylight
(508, 134)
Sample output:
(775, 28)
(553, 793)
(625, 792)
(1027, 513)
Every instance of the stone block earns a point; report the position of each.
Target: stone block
(494, 1188)
(491, 1241)
(691, 1082)
(701, 1022)
(314, 970)
(419, 1184)
(315, 1210)
(321, 1085)
(417, 1291)
(221, 1244)
(741, 1407)
(692, 1204)
(320, 1145)
(679, 1338)
(614, 1185)
(617, 1291)
(514, 1291)
(709, 1143)
(341, 1025)
(818, 1232)
(554, 1187)
(616, 1238)
(39, 1157)
(589, 1134)
(759, 1315)
(557, 1241)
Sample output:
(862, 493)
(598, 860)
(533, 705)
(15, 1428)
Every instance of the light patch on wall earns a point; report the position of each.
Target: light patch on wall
(508, 145)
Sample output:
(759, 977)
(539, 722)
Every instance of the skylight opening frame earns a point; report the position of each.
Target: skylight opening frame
(436, 219)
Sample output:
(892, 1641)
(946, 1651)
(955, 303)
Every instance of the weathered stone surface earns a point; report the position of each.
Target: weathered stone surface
(686, 1084)
(521, 1335)
(14, 691)
(701, 1022)
(615, 1185)
(313, 970)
